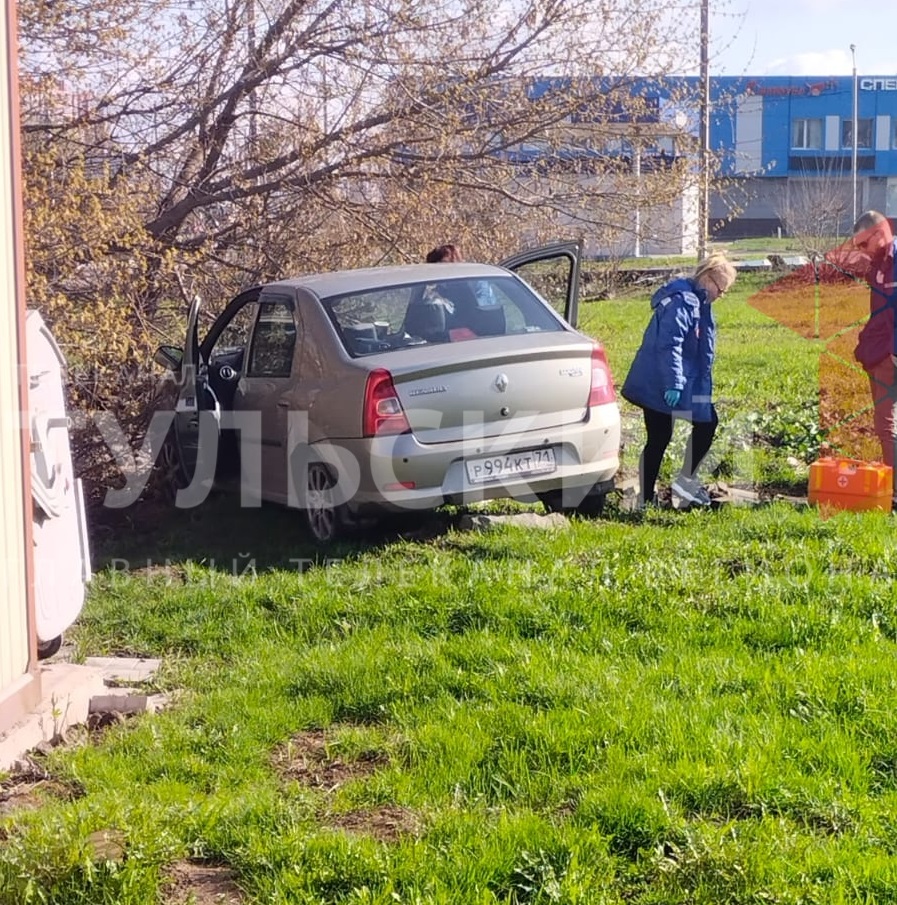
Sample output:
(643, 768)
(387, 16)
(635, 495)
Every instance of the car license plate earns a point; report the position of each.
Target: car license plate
(511, 465)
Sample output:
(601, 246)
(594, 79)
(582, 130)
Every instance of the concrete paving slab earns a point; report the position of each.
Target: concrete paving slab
(118, 670)
(736, 496)
(72, 692)
(482, 522)
(67, 689)
(754, 265)
(721, 493)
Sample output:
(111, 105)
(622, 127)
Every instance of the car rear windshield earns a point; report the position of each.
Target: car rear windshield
(459, 310)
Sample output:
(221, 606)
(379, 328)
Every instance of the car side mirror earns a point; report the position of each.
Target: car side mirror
(169, 357)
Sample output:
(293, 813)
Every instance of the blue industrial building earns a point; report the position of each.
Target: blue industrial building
(781, 146)
(786, 146)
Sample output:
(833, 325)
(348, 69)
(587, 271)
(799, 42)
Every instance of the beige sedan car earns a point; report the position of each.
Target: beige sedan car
(397, 388)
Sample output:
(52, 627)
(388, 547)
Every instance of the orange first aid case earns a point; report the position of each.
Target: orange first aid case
(851, 484)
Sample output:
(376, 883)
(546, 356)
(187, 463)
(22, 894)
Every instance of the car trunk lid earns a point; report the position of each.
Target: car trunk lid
(507, 387)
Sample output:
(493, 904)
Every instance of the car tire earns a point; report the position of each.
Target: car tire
(325, 520)
(552, 500)
(591, 505)
(46, 649)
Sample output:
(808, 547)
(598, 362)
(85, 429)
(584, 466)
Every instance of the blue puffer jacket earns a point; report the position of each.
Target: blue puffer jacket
(677, 352)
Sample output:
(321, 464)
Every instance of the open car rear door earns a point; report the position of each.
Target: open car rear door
(553, 271)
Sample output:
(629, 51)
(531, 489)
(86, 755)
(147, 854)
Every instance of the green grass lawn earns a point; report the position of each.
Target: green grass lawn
(674, 707)
(683, 707)
(739, 250)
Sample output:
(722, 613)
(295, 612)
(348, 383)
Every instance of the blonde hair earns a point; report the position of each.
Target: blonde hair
(719, 268)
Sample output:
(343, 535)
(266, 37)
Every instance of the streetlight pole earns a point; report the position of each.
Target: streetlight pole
(853, 164)
(704, 195)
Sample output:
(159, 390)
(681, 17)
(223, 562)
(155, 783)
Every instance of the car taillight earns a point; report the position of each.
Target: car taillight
(382, 413)
(602, 389)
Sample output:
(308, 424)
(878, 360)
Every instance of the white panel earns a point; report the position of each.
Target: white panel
(882, 133)
(833, 133)
(891, 198)
(749, 133)
(13, 607)
(60, 559)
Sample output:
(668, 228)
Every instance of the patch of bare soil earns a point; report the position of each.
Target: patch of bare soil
(387, 823)
(107, 845)
(29, 786)
(167, 573)
(202, 884)
(305, 759)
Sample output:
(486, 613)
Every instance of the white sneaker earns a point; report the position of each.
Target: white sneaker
(690, 490)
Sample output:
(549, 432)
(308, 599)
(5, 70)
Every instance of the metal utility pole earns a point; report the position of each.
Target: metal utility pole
(853, 166)
(704, 196)
(637, 173)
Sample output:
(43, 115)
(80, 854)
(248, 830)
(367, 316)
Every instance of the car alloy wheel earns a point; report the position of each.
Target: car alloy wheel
(323, 516)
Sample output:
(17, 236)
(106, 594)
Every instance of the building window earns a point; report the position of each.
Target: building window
(894, 133)
(806, 134)
(864, 131)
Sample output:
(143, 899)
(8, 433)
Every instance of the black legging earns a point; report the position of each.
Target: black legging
(659, 427)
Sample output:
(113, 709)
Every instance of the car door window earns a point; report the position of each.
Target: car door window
(273, 341)
(235, 333)
(549, 279)
(553, 271)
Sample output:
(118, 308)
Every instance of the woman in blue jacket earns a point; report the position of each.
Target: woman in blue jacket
(672, 376)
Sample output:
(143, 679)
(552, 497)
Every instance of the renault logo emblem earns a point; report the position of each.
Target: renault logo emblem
(501, 383)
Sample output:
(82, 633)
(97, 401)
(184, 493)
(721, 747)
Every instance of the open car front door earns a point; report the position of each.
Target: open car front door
(553, 271)
(197, 415)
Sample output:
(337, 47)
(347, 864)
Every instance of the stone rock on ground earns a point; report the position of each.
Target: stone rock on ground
(483, 521)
